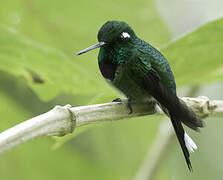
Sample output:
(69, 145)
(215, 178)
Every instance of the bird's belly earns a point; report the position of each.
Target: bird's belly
(128, 86)
(121, 79)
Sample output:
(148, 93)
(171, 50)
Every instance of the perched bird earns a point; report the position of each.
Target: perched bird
(141, 72)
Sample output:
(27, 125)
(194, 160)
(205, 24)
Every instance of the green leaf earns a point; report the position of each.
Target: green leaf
(197, 57)
(47, 70)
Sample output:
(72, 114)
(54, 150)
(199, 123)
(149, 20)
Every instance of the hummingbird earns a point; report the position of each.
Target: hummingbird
(142, 73)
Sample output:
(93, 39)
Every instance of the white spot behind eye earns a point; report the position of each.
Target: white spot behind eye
(125, 35)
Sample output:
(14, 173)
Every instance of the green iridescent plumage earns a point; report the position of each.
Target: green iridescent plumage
(139, 57)
(140, 72)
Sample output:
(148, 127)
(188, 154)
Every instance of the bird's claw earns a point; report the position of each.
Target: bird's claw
(128, 104)
(117, 100)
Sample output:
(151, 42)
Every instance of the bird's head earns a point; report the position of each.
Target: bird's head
(113, 33)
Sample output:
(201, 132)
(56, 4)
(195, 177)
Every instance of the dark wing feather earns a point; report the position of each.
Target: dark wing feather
(169, 100)
(158, 70)
(165, 98)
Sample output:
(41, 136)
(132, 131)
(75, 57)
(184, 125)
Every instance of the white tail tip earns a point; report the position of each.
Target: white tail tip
(190, 144)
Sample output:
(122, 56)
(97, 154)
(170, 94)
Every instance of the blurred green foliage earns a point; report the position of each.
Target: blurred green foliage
(199, 51)
(39, 69)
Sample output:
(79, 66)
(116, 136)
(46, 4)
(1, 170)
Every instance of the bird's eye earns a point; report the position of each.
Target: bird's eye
(125, 35)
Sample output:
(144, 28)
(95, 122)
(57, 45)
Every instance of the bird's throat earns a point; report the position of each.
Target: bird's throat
(107, 70)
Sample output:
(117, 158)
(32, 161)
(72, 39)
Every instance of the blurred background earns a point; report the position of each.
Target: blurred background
(39, 69)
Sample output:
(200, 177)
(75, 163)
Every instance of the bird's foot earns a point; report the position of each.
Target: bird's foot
(128, 104)
(117, 100)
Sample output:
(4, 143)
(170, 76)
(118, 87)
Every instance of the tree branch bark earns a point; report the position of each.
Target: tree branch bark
(62, 120)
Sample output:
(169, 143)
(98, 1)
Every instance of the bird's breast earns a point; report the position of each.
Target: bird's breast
(129, 84)
(108, 70)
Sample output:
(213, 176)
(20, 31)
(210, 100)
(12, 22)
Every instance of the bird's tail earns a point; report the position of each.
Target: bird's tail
(178, 112)
(185, 141)
(186, 115)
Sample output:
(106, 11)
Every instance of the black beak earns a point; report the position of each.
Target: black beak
(92, 47)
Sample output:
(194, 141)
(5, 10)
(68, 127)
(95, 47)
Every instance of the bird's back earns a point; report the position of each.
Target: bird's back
(158, 63)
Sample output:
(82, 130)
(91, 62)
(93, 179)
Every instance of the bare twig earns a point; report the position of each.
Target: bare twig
(62, 120)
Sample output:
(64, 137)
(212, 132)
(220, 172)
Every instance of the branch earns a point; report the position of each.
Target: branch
(63, 120)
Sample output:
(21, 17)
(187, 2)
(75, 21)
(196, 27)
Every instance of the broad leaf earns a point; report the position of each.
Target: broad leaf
(47, 70)
(197, 58)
